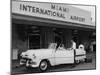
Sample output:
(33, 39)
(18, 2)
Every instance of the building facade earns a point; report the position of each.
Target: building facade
(36, 25)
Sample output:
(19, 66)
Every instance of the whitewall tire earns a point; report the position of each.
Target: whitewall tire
(43, 66)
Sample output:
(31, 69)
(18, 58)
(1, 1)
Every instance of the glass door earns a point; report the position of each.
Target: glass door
(34, 41)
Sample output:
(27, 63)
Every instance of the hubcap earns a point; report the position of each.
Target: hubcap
(43, 65)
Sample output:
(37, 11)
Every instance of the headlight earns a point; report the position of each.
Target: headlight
(22, 54)
(34, 56)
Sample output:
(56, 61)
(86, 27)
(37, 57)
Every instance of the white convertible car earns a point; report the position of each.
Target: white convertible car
(43, 58)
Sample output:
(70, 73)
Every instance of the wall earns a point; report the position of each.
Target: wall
(17, 43)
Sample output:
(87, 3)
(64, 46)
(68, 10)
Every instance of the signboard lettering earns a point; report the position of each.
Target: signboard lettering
(34, 9)
(59, 8)
(54, 11)
(77, 18)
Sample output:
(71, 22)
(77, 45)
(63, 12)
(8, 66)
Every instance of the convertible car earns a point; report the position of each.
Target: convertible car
(53, 55)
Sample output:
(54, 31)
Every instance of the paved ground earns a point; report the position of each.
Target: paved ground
(81, 66)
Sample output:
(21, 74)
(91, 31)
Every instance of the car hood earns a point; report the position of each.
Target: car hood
(36, 52)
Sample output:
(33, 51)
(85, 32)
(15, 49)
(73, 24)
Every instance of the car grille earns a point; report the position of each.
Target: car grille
(24, 60)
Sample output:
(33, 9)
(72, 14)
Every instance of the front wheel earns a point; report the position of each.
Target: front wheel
(43, 66)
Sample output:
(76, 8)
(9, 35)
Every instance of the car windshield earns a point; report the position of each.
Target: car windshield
(52, 46)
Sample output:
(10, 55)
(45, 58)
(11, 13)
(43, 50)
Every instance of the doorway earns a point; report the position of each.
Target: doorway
(58, 32)
(34, 37)
(34, 41)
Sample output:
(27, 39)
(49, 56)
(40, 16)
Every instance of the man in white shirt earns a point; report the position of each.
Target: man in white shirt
(73, 45)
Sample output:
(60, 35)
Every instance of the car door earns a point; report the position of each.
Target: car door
(63, 56)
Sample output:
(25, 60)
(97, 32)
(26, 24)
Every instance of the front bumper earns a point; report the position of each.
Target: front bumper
(29, 62)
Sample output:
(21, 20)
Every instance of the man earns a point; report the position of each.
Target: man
(73, 46)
